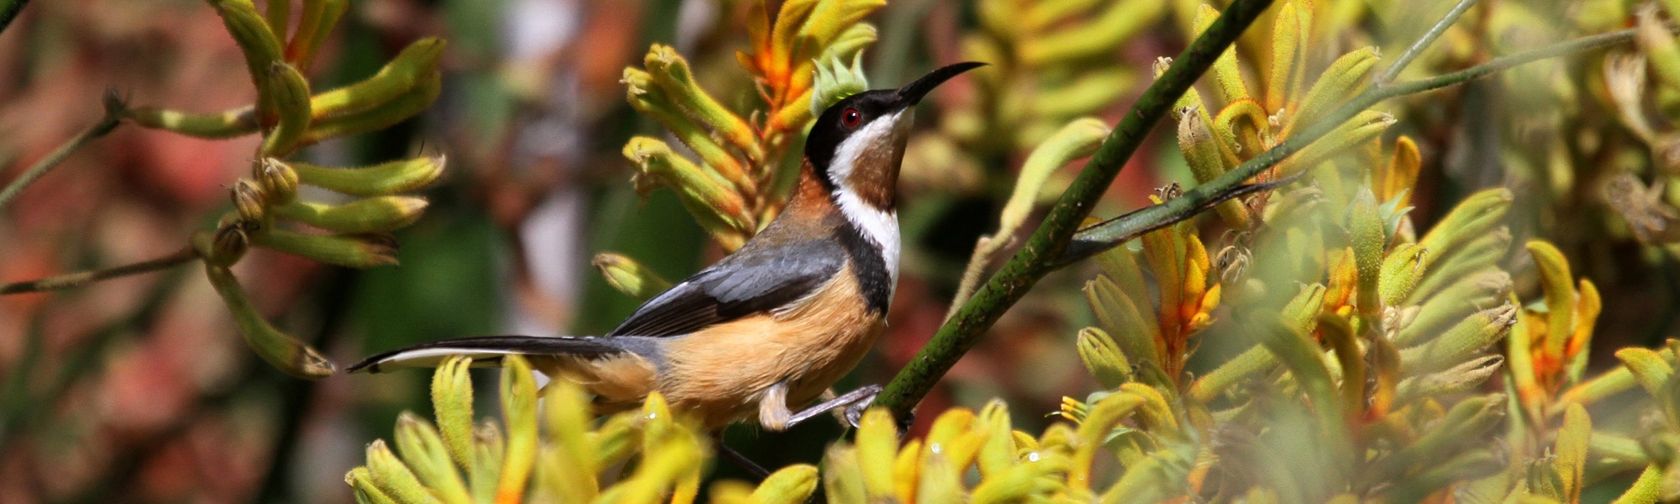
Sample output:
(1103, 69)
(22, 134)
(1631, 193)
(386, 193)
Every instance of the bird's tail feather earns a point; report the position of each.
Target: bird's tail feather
(488, 350)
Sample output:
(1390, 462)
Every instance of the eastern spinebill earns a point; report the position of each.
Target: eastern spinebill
(773, 325)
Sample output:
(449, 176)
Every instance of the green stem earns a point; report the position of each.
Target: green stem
(113, 117)
(9, 10)
(1050, 240)
(1108, 234)
(78, 279)
(1427, 40)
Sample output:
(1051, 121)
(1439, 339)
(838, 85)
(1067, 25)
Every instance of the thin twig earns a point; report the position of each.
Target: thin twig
(1048, 242)
(113, 117)
(1109, 234)
(1423, 43)
(9, 10)
(78, 279)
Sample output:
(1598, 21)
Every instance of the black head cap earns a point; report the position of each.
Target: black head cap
(839, 121)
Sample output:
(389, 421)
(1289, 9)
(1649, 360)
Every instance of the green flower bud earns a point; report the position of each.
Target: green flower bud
(368, 215)
(288, 92)
(249, 200)
(630, 277)
(392, 177)
(279, 349)
(277, 180)
(353, 252)
(411, 68)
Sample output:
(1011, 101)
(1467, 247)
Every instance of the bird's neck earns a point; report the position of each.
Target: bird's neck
(876, 223)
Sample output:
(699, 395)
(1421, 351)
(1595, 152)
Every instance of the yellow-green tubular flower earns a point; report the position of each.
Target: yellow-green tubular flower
(1302, 312)
(288, 92)
(1102, 357)
(630, 277)
(671, 73)
(1302, 356)
(377, 214)
(843, 475)
(1134, 328)
(1459, 379)
(1471, 219)
(649, 99)
(1560, 294)
(317, 21)
(789, 485)
(392, 477)
(850, 42)
(391, 177)
(226, 124)
(1648, 367)
(360, 480)
(519, 410)
(340, 250)
(1400, 272)
(1365, 228)
(1201, 152)
(1360, 130)
(452, 400)
(398, 109)
(1290, 32)
(1570, 451)
(1460, 343)
(1471, 418)
(422, 449)
(409, 69)
(487, 449)
(1338, 84)
(568, 469)
(877, 444)
(1227, 76)
(279, 349)
(259, 44)
(718, 209)
(835, 81)
(1468, 294)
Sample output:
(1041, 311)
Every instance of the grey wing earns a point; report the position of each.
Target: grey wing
(753, 280)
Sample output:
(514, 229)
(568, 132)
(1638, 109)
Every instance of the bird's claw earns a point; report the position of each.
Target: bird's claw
(854, 411)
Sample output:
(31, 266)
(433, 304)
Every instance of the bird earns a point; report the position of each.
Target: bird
(772, 326)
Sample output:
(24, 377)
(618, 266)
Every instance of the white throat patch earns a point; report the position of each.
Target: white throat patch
(878, 225)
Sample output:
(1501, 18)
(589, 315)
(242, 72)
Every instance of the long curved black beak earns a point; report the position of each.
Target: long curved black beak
(912, 93)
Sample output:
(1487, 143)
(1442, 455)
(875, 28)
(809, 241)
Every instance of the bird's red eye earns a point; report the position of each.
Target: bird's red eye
(850, 117)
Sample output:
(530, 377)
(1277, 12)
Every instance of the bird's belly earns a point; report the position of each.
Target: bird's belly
(719, 374)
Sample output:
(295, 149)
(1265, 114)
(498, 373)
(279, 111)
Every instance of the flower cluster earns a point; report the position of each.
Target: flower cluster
(268, 211)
